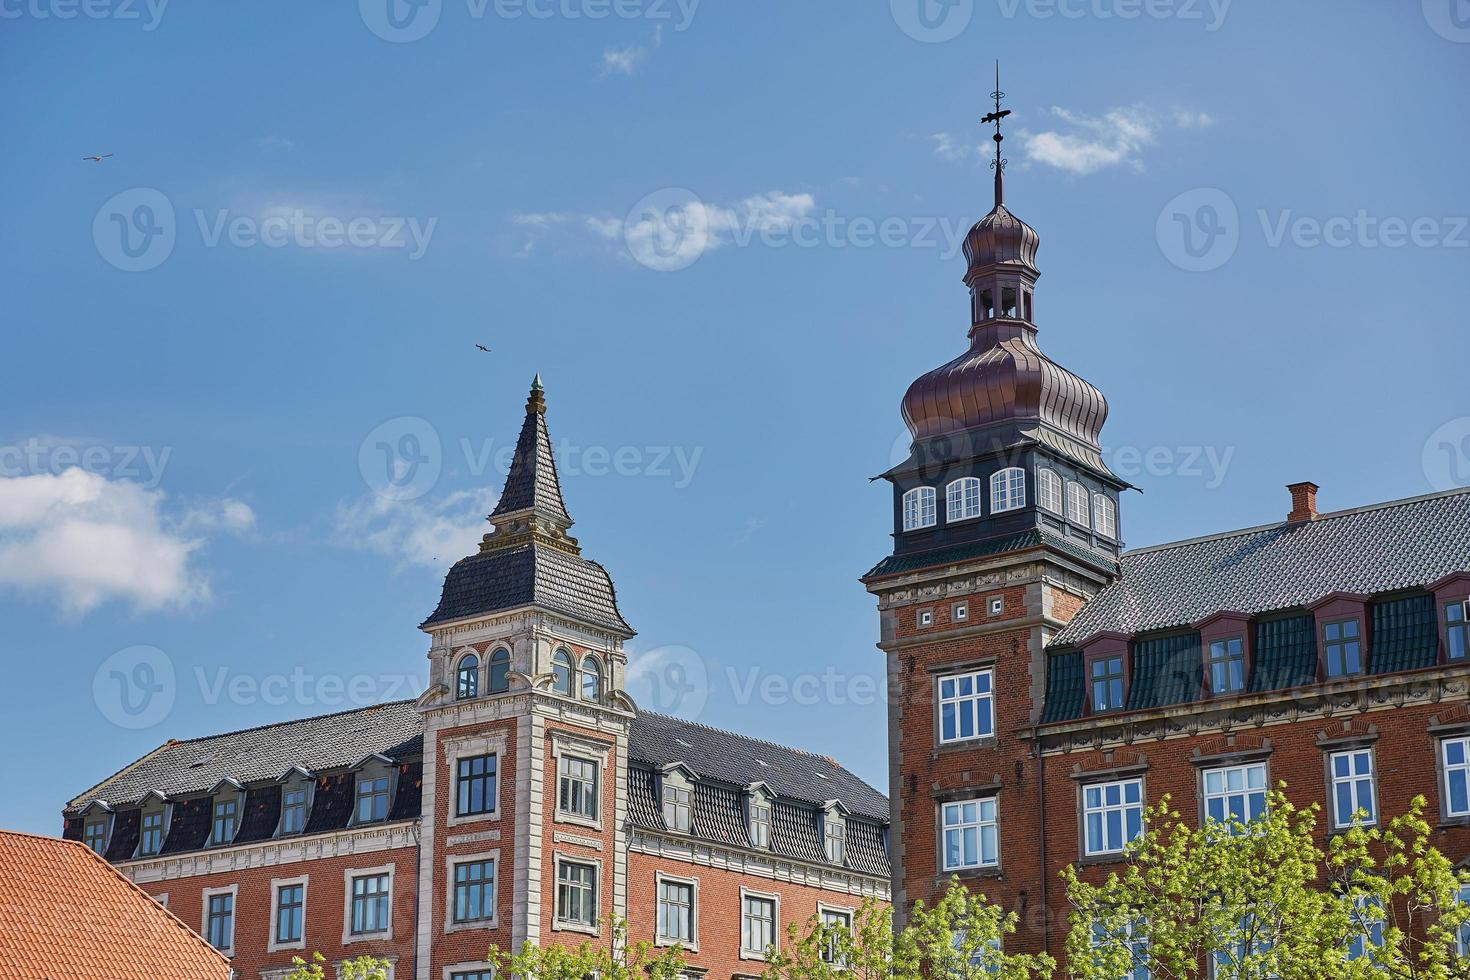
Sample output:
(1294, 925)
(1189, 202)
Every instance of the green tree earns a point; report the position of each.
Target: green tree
(617, 959)
(818, 950)
(360, 968)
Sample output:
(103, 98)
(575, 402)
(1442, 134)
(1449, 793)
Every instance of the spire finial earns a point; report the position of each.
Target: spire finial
(537, 401)
(999, 163)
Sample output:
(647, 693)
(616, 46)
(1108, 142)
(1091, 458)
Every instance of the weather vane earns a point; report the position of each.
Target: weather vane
(999, 163)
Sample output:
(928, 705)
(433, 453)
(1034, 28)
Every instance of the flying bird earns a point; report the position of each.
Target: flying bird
(97, 159)
(483, 348)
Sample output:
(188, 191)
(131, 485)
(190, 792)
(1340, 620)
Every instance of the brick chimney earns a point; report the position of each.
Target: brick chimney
(1303, 502)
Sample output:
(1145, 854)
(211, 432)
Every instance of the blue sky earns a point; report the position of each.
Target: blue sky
(1253, 240)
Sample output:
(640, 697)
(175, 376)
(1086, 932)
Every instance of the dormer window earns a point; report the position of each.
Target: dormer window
(962, 499)
(760, 821)
(919, 508)
(94, 835)
(372, 799)
(1226, 666)
(1457, 629)
(1105, 515)
(1077, 505)
(1008, 490)
(226, 815)
(591, 679)
(150, 833)
(561, 672)
(1107, 684)
(499, 679)
(1343, 648)
(467, 678)
(834, 837)
(293, 810)
(678, 804)
(1049, 490)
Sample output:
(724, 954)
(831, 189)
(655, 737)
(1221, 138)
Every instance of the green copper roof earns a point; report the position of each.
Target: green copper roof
(1286, 653)
(1166, 670)
(1405, 634)
(1065, 689)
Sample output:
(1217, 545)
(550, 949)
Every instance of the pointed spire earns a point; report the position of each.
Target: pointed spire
(532, 490)
(999, 163)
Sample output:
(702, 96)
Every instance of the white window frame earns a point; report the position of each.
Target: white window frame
(1138, 948)
(926, 617)
(1352, 782)
(834, 837)
(962, 702)
(997, 606)
(982, 825)
(1448, 768)
(234, 892)
(1105, 808)
(746, 953)
(829, 915)
(455, 749)
(961, 612)
(963, 500)
(1007, 490)
(459, 668)
(920, 508)
(1079, 504)
(760, 801)
(560, 924)
(1049, 491)
(678, 783)
(659, 938)
(272, 945)
(348, 877)
(450, 863)
(1105, 515)
(1245, 792)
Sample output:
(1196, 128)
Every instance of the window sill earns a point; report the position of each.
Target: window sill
(476, 925)
(457, 821)
(746, 954)
(962, 745)
(663, 942)
(565, 925)
(295, 944)
(367, 937)
(968, 874)
(1119, 857)
(578, 820)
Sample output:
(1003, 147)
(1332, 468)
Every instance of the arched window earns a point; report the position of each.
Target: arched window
(499, 672)
(591, 679)
(467, 678)
(1105, 515)
(561, 672)
(962, 499)
(1077, 504)
(1049, 490)
(1008, 490)
(918, 508)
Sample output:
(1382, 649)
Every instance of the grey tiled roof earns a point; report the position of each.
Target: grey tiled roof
(1033, 538)
(532, 481)
(530, 574)
(1398, 545)
(197, 765)
(713, 753)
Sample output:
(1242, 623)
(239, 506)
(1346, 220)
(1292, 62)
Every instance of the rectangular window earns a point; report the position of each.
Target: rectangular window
(757, 924)
(576, 893)
(1352, 787)
(474, 891)
(760, 825)
(578, 787)
(1112, 816)
(966, 706)
(1235, 794)
(474, 784)
(678, 807)
(224, 821)
(1227, 666)
(1246, 943)
(1107, 684)
(1367, 935)
(835, 919)
(971, 834)
(94, 835)
(220, 921)
(293, 811)
(150, 837)
(1344, 648)
(834, 838)
(675, 911)
(1456, 755)
(372, 799)
(1457, 629)
(1135, 940)
(290, 910)
(370, 904)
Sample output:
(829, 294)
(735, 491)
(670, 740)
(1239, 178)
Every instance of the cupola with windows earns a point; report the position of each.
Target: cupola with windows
(1006, 442)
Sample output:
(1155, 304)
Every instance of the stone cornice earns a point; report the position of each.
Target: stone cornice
(273, 852)
(760, 864)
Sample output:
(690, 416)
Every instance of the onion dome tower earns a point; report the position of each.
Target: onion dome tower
(1006, 449)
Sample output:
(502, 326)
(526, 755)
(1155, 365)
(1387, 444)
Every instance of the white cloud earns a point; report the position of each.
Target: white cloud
(1086, 144)
(416, 532)
(625, 61)
(276, 142)
(946, 147)
(82, 539)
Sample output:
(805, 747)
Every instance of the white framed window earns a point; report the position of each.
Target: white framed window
(577, 787)
(1367, 923)
(473, 882)
(1455, 757)
(678, 806)
(919, 508)
(835, 919)
(760, 822)
(834, 837)
(962, 499)
(576, 893)
(1007, 490)
(960, 612)
(591, 679)
(1134, 938)
(1077, 511)
(1234, 794)
(1112, 816)
(369, 903)
(677, 912)
(926, 617)
(1462, 935)
(467, 678)
(997, 606)
(1249, 940)
(561, 672)
(219, 918)
(288, 914)
(759, 918)
(1105, 515)
(1225, 663)
(1342, 642)
(94, 835)
(1457, 629)
(971, 834)
(1049, 490)
(1352, 787)
(966, 706)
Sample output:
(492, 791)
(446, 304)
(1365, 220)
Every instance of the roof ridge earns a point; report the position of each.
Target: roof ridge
(748, 738)
(279, 724)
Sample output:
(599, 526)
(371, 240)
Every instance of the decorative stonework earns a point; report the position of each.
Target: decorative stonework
(759, 865)
(269, 853)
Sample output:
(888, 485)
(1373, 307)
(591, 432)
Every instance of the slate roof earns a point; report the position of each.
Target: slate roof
(69, 914)
(330, 741)
(1383, 548)
(716, 754)
(1032, 538)
(530, 574)
(532, 482)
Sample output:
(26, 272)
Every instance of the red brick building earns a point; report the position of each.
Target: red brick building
(1049, 686)
(522, 797)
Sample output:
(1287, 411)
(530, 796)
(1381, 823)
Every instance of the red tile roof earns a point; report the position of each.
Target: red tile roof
(66, 914)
